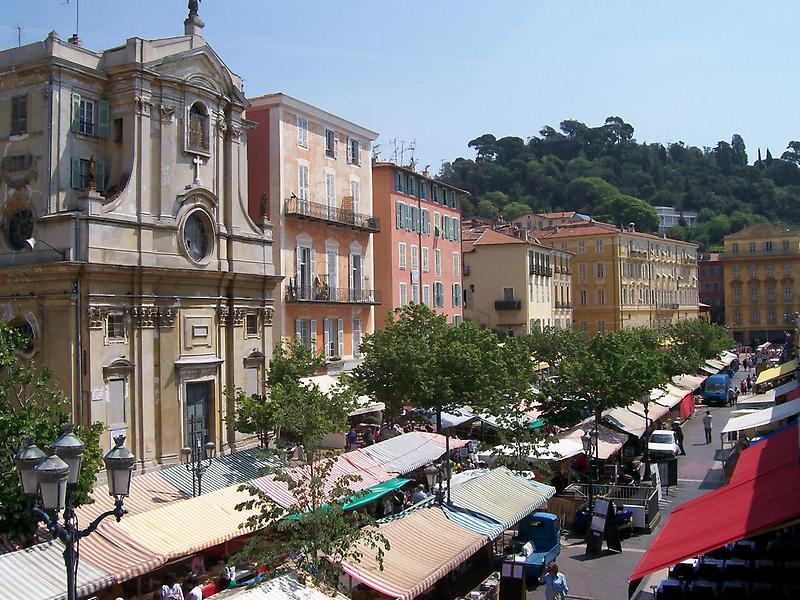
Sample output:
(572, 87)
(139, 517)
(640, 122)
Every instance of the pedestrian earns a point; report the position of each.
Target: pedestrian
(707, 426)
(676, 427)
(352, 439)
(418, 495)
(743, 386)
(171, 590)
(195, 589)
(369, 437)
(555, 583)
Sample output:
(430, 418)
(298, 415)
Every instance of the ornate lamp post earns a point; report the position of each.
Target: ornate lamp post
(48, 477)
(197, 456)
(589, 441)
(434, 476)
(646, 452)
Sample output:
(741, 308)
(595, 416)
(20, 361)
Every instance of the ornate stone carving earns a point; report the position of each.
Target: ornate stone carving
(235, 133)
(166, 316)
(97, 315)
(238, 316)
(268, 312)
(143, 105)
(144, 316)
(167, 112)
(222, 128)
(223, 314)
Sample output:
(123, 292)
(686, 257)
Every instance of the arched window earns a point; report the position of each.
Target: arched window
(198, 128)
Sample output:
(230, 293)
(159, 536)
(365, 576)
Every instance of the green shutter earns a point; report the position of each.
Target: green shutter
(102, 120)
(76, 112)
(100, 175)
(75, 173)
(398, 215)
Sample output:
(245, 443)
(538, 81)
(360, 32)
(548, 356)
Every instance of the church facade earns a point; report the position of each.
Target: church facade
(127, 255)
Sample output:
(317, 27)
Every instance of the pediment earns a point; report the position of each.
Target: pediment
(201, 68)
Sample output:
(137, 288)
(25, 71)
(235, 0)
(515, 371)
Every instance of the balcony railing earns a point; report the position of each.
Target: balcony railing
(322, 292)
(563, 305)
(507, 304)
(304, 209)
(668, 305)
(540, 270)
(747, 254)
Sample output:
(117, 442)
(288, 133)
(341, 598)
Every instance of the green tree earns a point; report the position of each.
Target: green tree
(31, 404)
(692, 341)
(739, 150)
(551, 344)
(512, 210)
(488, 210)
(314, 529)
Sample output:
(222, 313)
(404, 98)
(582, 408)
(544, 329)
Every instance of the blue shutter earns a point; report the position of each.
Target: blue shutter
(75, 117)
(398, 215)
(75, 173)
(102, 120)
(100, 175)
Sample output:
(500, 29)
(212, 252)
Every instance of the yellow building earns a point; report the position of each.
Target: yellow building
(760, 266)
(127, 254)
(515, 285)
(625, 278)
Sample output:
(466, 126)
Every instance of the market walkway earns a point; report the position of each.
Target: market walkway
(605, 577)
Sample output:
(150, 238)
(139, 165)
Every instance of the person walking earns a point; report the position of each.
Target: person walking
(676, 427)
(555, 583)
(707, 426)
(171, 590)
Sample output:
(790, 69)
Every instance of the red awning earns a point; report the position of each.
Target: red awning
(793, 395)
(761, 496)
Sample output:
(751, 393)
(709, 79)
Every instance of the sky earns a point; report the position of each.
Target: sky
(437, 74)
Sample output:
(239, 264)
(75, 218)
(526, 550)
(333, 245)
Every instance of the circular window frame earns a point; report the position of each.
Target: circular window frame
(211, 230)
(17, 324)
(12, 211)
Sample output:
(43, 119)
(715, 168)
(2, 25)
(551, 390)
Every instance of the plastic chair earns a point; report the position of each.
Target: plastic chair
(738, 569)
(702, 590)
(670, 589)
(684, 570)
(709, 569)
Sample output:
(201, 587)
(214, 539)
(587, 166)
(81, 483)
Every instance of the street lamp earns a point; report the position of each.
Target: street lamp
(434, 476)
(197, 456)
(49, 478)
(33, 241)
(646, 452)
(589, 441)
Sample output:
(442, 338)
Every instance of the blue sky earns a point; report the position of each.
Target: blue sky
(443, 72)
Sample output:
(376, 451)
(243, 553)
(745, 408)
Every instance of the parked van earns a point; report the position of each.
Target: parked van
(716, 389)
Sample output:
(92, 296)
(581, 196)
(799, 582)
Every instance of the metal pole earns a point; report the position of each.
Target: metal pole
(70, 560)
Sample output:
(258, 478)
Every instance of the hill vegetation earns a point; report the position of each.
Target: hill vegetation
(604, 172)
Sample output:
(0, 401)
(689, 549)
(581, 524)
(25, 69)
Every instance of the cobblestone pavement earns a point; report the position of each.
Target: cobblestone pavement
(605, 577)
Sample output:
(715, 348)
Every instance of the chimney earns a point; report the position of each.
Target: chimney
(75, 40)
(631, 226)
(426, 172)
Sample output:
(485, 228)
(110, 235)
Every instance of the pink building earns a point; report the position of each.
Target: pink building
(418, 250)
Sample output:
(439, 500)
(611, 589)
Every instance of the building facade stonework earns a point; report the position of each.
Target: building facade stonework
(127, 254)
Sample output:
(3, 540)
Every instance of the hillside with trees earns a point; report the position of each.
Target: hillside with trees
(604, 172)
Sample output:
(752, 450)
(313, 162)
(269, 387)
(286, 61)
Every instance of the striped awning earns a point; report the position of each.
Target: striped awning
(424, 546)
(609, 442)
(689, 382)
(410, 451)
(502, 496)
(474, 522)
(118, 554)
(787, 387)
(39, 572)
(183, 528)
(224, 470)
(285, 587)
(148, 491)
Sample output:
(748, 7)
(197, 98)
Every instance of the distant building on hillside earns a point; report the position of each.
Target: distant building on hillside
(761, 263)
(711, 285)
(537, 221)
(668, 218)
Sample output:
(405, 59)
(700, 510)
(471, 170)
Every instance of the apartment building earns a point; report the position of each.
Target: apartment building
(310, 176)
(711, 285)
(624, 278)
(418, 251)
(128, 258)
(514, 284)
(761, 265)
(537, 221)
(669, 217)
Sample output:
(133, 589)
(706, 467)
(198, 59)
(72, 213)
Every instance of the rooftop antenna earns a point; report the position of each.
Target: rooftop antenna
(77, 15)
(19, 35)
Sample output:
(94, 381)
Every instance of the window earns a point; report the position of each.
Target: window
(583, 297)
(598, 246)
(334, 338)
(624, 295)
(87, 119)
(754, 294)
(355, 194)
(117, 413)
(438, 294)
(17, 162)
(330, 194)
(426, 221)
(787, 292)
(398, 215)
(737, 270)
(426, 295)
(353, 151)
(19, 115)
(20, 229)
(198, 128)
(119, 129)
(437, 261)
(356, 337)
(601, 326)
(769, 246)
(737, 317)
(752, 246)
(414, 257)
(80, 174)
(306, 332)
(437, 225)
(426, 259)
(582, 270)
(456, 320)
(403, 293)
(753, 270)
(771, 315)
(302, 132)
(601, 296)
(302, 184)
(456, 295)
(331, 141)
(251, 325)
(197, 236)
(115, 327)
(787, 269)
(735, 248)
(456, 263)
(786, 246)
(770, 269)
(771, 294)
(581, 247)
(402, 255)
(600, 270)
(415, 293)
(755, 316)
(508, 294)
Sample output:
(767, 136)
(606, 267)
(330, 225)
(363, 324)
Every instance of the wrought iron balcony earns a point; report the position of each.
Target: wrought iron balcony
(507, 304)
(314, 211)
(540, 270)
(321, 292)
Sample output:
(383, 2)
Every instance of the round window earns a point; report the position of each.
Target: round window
(25, 332)
(20, 228)
(197, 236)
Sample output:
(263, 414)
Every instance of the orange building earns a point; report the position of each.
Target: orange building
(310, 176)
(418, 250)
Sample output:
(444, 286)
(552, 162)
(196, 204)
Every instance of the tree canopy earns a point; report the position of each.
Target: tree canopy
(605, 172)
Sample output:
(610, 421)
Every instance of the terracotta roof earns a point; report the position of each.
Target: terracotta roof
(579, 229)
(761, 230)
(564, 214)
(385, 164)
(492, 238)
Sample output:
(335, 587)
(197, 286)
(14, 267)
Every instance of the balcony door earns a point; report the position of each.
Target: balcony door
(199, 400)
(330, 194)
(356, 277)
(304, 277)
(333, 279)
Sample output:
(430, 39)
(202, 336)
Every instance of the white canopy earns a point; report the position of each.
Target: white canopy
(764, 417)
(787, 387)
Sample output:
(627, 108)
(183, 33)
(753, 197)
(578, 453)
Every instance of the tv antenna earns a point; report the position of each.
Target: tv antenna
(19, 35)
(77, 14)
